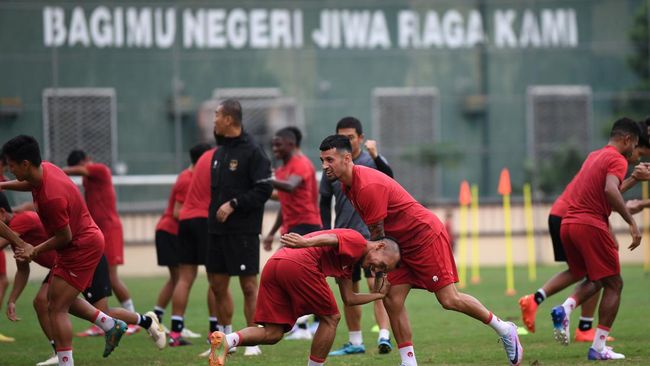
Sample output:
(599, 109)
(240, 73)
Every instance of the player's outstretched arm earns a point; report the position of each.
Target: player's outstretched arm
(293, 240)
(636, 206)
(351, 298)
(288, 185)
(16, 185)
(61, 238)
(76, 170)
(10, 235)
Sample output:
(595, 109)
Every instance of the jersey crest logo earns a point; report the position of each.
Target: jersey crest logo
(233, 165)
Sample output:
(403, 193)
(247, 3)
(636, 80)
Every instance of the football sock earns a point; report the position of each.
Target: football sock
(356, 338)
(159, 312)
(568, 305)
(540, 296)
(585, 323)
(315, 361)
(233, 339)
(384, 334)
(407, 353)
(600, 338)
(65, 357)
(177, 323)
(144, 321)
(502, 328)
(213, 324)
(104, 321)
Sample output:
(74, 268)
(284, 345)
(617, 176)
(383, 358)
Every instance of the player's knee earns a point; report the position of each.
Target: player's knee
(249, 289)
(330, 320)
(40, 304)
(274, 335)
(450, 302)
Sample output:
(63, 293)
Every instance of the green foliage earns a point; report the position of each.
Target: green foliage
(440, 337)
(634, 102)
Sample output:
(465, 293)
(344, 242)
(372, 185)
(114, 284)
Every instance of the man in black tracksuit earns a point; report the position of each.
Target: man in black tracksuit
(240, 185)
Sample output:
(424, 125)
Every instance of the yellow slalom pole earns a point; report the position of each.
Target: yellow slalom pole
(646, 230)
(530, 239)
(476, 275)
(505, 189)
(462, 246)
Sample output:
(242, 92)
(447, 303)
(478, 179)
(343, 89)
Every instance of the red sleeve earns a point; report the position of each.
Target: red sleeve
(181, 187)
(372, 201)
(20, 224)
(56, 212)
(96, 171)
(351, 243)
(617, 167)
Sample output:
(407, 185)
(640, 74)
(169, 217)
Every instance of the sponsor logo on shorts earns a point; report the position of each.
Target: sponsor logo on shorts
(435, 278)
(242, 267)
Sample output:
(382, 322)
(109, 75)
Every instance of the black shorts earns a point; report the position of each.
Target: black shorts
(166, 250)
(356, 273)
(304, 229)
(192, 245)
(235, 255)
(101, 285)
(554, 223)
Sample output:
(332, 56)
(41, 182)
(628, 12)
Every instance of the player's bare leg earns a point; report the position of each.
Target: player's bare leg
(180, 297)
(167, 291)
(60, 296)
(399, 321)
(221, 344)
(219, 283)
(120, 289)
(352, 315)
(381, 317)
(41, 307)
(324, 336)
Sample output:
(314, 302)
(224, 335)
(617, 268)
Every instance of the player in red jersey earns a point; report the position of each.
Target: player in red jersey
(191, 250)
(529, 303)
(427, 259)
(591, 251)
(167, 230)
(102, 205)
(72, 233)
(293, 284)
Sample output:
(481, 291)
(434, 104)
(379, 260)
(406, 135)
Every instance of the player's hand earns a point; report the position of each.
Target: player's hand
(268, 243)
(11, 312)
(380, 281)
(371, 146)
(634, 206)
(641, 172)
(24, 253)
(636, 236)
(224, 211)
(293, 240)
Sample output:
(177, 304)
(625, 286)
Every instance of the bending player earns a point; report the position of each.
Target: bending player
(293, 284)
(72, 233)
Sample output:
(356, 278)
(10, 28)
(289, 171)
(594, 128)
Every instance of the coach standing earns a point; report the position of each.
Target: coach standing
(240, 185)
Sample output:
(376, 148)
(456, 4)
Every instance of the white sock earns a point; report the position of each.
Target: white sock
(356, 338)
(65, 358)
(542, 292)
(159, 309)
(502, 328)
(232, 340)
(600, 338)
(128, 305)
(311, 362)
(383, 334)
(220, 328)
(568, 305)
(407, 353)
(104, 321)
(227, 328)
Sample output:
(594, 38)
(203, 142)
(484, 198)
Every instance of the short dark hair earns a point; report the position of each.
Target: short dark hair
(23, 147)
(350, 122)
(232, 108)
(287, 134)
(4, 202)
(197, 150)
(296, 131)
(644, 138)
(75, 157)
(625, 126)
(338, 142)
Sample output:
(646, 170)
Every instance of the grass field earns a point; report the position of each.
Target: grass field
(440, 337)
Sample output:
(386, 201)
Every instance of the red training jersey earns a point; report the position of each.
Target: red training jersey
(197, 199)
(59, 203)
(167, 221)
(301, 205)
(29, 227)
(376, 197)
(561, 205)
(587, 201)
(330, 261)
(100, 195)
